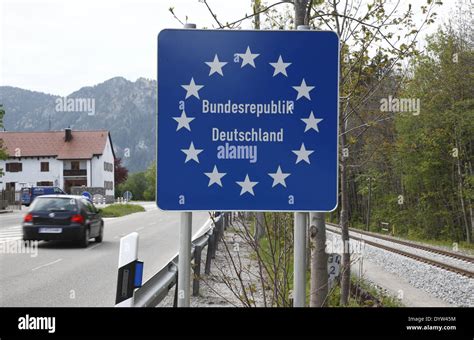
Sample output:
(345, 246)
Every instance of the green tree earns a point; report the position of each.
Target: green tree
(142, 185)
(434, 150)
(136, 184)
(150, 177)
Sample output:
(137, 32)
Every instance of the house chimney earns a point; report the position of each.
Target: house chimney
(68, 134)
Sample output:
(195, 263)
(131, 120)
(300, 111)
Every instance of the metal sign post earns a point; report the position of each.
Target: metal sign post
(184, 259)
(299, 260)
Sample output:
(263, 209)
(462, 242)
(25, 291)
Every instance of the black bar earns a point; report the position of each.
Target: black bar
(288, 323)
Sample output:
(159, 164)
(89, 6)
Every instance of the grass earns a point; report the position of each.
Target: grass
(118, 210)
(386, 300)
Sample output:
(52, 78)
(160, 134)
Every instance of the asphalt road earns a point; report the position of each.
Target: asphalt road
(61, 274)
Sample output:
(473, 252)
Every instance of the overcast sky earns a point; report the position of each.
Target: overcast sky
(58, 46)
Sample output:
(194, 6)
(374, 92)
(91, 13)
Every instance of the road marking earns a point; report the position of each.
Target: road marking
(94, 246)
(152, 223)
(47, 264)
(11, 233)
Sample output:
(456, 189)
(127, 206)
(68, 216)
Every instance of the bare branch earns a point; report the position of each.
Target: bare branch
(212, 13)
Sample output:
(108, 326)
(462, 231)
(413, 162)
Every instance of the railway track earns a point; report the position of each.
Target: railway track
(416, 257)
(457, 256)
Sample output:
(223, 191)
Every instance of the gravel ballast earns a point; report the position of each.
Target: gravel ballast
(453, 288)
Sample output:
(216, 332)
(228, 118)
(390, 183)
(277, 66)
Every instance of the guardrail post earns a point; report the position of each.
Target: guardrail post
(217, 229)
(197, 269)
(223, 226)
(175, 300)
(209, 254)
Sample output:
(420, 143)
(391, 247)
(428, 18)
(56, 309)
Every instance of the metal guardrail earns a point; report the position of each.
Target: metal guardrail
(153, 291)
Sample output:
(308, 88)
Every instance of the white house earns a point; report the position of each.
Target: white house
(58, 158)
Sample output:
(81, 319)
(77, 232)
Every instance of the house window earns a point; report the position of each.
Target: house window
(44, 166)
(75, 165)
(44, 184)
(108, 185)
(14, 167)
(108, 167)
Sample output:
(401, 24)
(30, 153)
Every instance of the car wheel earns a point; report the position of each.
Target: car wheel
(85, 238)
(99, 238)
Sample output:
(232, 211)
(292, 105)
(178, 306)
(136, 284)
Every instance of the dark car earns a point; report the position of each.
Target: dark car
(30, 193)
(63, 217)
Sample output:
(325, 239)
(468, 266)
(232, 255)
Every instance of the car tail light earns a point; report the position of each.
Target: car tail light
(77, 219)
(28, 218)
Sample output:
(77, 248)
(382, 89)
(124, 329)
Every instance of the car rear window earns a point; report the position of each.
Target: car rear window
(54, 203)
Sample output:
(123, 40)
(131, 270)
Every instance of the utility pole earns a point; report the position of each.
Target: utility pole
(300, 12)
(317, 231)
(319, 260)
(299, 226)
(259, 226)
(259, 216)
(368, 203)
(256, 10)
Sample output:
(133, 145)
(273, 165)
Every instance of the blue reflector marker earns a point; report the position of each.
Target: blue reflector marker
(137, 282)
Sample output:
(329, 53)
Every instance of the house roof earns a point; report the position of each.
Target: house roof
(83, 145)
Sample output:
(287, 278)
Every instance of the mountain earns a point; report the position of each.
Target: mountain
(127, 109)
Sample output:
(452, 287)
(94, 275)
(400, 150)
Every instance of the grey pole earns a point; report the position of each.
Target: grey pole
(299, 260)
(303, 28)
(184, 259)
(299, 251)
(368, 203)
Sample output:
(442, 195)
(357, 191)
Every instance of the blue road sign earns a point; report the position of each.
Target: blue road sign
(127, 195)
(87, 195)
(247, 120)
